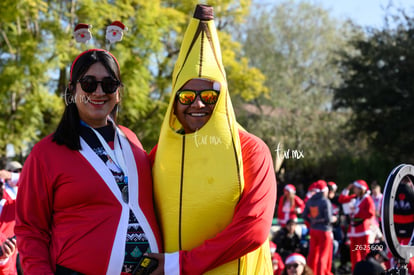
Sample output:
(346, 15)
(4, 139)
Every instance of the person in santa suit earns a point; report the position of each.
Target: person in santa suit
(214, 183)
(10, 177)
(277, 261)
(8, 250)
(289, 206)
(362, 211)
(318, 214)
(85, 204)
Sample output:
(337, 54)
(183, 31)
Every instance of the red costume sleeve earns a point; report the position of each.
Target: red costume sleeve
(366, 209)
(299, 204)
(252, 218)
(280, 213)
(34, 191)
(345, 198)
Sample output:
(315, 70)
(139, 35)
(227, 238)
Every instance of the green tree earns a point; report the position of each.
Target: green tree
(28, 109)
(379, 88)
(293, 45)
(37, 48)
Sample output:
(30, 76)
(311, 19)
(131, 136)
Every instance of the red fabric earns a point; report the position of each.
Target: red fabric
(283, 217)
(358, 249)
(403, 218)
(7, 222)
(252, 218)
(320, 251)
(60, 183)
(363, 209)
(278, 264)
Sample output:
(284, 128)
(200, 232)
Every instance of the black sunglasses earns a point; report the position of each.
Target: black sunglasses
(295, 265)
(187, 97)
(109, 85)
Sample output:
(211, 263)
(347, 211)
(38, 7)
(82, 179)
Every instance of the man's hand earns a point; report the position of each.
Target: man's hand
(160, 268)
(8, 248)
(5, 175)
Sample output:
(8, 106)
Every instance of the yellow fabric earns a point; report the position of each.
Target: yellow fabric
(198, 177)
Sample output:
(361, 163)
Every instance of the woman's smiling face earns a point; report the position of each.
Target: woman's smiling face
(95, 107)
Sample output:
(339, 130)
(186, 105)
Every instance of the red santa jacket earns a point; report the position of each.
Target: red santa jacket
(70, 211)
(283, 216)
(7, 222)
(362, 213)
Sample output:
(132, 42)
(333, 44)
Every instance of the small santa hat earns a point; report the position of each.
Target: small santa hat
(332, 186)
(311, 187)
(82, 26)
(273, 247)
(295, 258)
(291, 188)
(119, 24)
(319, 186)
(361, 184)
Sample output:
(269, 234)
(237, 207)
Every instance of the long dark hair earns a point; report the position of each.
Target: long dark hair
(68, 129)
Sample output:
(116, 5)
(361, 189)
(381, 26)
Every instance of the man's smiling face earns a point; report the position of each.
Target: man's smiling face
(195, 115)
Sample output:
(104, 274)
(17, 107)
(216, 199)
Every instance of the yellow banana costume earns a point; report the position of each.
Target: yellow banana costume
(199, 179)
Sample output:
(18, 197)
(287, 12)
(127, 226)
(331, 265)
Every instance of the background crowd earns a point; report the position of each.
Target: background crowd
(338, 231)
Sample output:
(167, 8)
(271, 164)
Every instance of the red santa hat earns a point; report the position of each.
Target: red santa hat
(82, 26)
(273, 247)
(119, 24)
(332, 186)
(291, 188)
(319, 186)
(295, 258)
(361, 184)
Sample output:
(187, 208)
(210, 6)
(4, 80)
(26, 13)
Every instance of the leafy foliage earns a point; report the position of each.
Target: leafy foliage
(379, 89)
(37, 48)
(293, 45)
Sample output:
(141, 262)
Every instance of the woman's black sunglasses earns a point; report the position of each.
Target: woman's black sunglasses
(109, 84)
(187, 97)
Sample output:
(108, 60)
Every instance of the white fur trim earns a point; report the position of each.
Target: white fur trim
(296, 258)
(172, 263)
(117, 259)
(357, 184)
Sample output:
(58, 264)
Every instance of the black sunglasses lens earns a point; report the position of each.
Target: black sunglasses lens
(295, 265)
(88, 84)
(109, 85)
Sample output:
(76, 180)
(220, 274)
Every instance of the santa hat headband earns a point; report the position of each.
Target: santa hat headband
(295, 258)
(361, 184)
(91, 50)
(291, 188)
(119, 24)
(114, 32)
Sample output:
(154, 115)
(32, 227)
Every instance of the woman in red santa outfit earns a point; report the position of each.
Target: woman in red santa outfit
(84, 204)
(361, 215)
(290, 205)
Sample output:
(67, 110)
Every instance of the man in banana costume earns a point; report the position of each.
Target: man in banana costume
(214, 183)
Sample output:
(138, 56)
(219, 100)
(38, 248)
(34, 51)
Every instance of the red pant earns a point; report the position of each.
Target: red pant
(320, 252)
(359, 249)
